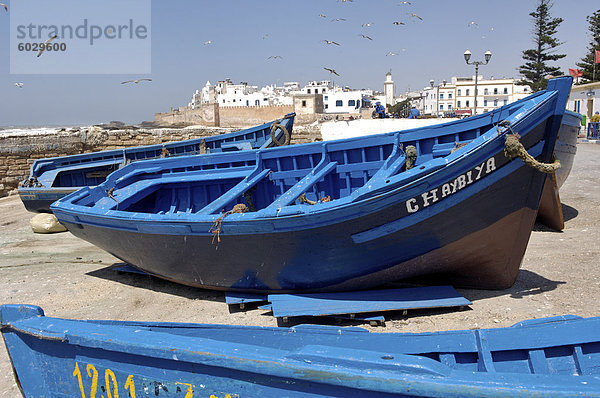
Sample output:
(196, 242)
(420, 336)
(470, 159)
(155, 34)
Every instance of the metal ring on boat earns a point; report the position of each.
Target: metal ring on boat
(286, 134)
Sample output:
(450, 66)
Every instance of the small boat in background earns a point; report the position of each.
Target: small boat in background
(52, 178)
(53, 357)
(550, 210)
(334, 215)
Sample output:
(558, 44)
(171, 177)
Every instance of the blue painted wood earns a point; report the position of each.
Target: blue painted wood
(318, 304)
(467, 214)
(233, 298)
(52, 356)
(58, 176)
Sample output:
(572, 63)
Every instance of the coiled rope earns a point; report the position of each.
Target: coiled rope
(411, 156)
(286, 134)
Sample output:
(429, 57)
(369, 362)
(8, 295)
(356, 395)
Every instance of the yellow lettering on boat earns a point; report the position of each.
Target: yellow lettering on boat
(108, 376)
(94, 379)
(189, 392)
(130, 385)
(77, 373)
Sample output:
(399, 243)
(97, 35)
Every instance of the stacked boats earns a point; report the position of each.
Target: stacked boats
(338, 215)
(458, 199)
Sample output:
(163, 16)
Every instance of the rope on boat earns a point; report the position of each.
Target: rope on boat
(286, 134)
(303, 199)
(110, 195)
(457, 146)
(248, 198)
(513, 148)
(216, 227)
(411, 156)
(31, 182)
(165, 152)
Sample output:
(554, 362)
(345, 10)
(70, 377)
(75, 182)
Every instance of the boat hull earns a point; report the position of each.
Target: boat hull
(53, 357)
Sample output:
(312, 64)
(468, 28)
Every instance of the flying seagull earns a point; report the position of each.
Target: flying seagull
(337, 20)
(323, 15)
(473, 23)
(331, 42)
(365, 36)
(265, 36)
(391, 53)
(398, 23)
(412, 14)
(20, 85)
(136, 81)
(4, 5)
(46, 42)
(332, 71)
(275, 57)
(207, 42)
(368, 24)
(404, 3)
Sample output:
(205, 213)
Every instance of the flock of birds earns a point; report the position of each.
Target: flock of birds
(332, 71)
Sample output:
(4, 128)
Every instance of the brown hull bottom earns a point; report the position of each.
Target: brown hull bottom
(486, 259)
(550, 210)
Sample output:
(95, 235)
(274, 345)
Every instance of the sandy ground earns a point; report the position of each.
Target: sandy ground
(70, 278)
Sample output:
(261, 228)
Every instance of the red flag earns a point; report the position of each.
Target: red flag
(598, 56)
(575, 72)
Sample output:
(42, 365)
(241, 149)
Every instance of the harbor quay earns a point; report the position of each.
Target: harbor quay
(71, 278)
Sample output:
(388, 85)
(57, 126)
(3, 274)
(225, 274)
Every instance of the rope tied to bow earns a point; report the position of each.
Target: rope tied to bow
(216, 227)
(513, 148)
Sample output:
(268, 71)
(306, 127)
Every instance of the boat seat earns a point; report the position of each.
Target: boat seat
(300, 187)
(137, 190)
(221, 202)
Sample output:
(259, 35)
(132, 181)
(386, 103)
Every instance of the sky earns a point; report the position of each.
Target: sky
(243, 34)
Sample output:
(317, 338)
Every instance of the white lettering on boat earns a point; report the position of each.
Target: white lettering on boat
(462, 181)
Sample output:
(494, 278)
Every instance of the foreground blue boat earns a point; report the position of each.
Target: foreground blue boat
(336, 215)
(552, 357)
(52, 178)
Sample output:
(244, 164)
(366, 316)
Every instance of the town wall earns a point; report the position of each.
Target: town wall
(18, 152)
(246, 116)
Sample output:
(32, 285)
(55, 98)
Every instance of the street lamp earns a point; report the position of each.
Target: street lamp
(467, 54)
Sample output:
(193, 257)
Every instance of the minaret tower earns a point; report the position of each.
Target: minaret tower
(388, 89)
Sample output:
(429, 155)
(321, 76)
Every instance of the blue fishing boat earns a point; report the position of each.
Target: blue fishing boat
(448, 199)
(551, 357)
(53, 178)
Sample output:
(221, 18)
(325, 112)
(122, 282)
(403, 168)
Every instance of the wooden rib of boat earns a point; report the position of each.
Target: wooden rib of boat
(52, 178)
(337, 215)
(52, 357)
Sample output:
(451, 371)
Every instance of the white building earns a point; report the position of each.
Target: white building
(458, 96)
(341, 101)
(585, 99)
